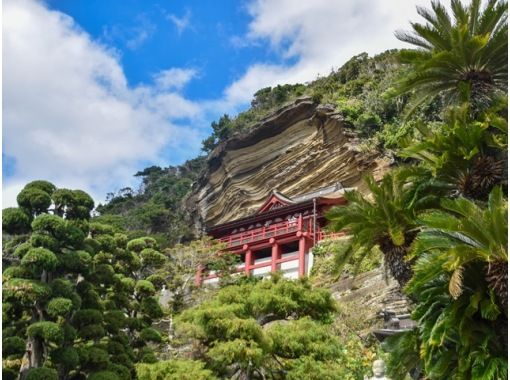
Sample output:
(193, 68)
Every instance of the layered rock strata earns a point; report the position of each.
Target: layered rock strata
(299, 148)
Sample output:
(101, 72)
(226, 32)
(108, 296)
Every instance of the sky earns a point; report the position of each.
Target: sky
(95, 90)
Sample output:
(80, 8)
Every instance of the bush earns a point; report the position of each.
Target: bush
(48, 331)
(59, 307)
(13, 345)
(15, 221)
(42, 373)
(92, 332)
(24, 291)
(157, 280)
(44, 241)
(137, 245)
(86, 317)
(52, 224)
(174, 370)
(150, 334)
(152, 257)
(151, 307)
(45, 186)
(34, 200)
(145, 288)
(122, 371)
(96, 358)
(40, 259)
(66, 357)
(103, 375)
(9, 374)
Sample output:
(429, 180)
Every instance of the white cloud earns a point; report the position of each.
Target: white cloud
(132, 37)
(174, 77)
(317, 35)
(69, 115)
(181, 23)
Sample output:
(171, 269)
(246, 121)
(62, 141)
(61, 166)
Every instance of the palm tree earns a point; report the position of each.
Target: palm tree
(388, 220)
(464, 233)
(464, 156)
(460, 288)
(461, 56)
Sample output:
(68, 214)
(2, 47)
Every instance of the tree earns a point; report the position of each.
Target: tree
(182, 267)
(174, 370)
(387, 221)
(273, 328)
(466, 54)
(464, 156)
(80, 298)
(466, 233)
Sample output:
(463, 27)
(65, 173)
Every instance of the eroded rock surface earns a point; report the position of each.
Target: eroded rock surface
(299, 148)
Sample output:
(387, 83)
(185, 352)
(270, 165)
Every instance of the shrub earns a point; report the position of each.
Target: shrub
(145, 288)
(66, 357)
(34, 200)
(103, 375)
(152, 257)
(13, 345)
(59, 307)
(150, 334)
(15, 221)
(137, 245)
(40, 259)
(48, 331)
(42, 373)
(86, 317)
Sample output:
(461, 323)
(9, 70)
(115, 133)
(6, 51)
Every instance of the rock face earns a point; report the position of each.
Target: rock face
(297, 149)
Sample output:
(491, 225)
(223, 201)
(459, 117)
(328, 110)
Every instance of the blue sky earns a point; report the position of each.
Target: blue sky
(152, 36)
(95, 90)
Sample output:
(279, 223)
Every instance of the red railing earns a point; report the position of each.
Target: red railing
(274, 230)
(322, 235)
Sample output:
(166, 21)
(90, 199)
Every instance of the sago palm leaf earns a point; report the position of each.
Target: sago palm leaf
(469, 48)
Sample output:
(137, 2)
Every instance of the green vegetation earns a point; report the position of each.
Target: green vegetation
(443, 214)
(156, 208)
(81, 295)
(74, 301)
(272, 329)
(460, 59)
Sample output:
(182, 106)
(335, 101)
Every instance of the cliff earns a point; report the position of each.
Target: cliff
(300, 147)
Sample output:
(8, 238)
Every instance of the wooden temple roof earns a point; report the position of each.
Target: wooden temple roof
(279, 205)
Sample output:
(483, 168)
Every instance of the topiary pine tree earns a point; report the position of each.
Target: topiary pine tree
(274, 328)
(75, 303)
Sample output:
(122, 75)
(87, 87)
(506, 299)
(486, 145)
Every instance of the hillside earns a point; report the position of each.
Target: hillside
(355, 96)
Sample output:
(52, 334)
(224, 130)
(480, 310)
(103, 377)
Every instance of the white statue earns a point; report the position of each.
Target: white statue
(379, 369)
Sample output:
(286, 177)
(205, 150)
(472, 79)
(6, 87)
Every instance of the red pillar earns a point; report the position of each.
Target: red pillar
(198, 275)
(302, 251)
(248, 261)
(275, 255)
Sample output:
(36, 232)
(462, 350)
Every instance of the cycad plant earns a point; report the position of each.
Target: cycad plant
(464, 156)
(388, 220)
(465, 233)
(461, 51)
(460, 288)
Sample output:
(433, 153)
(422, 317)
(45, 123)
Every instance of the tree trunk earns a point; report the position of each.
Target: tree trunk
(33, 357)
(394, 258)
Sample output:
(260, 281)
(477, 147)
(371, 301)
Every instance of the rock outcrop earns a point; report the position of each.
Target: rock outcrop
(297, 149)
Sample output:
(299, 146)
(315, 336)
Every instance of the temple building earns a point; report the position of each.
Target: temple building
(279, 236)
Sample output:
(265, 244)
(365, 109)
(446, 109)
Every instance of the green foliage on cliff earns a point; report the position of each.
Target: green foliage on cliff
(451, 256)
(156, 207)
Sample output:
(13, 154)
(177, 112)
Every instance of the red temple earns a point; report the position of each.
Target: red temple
(279, 236)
